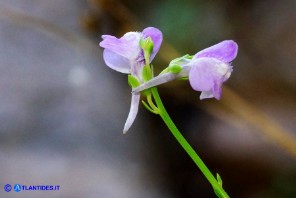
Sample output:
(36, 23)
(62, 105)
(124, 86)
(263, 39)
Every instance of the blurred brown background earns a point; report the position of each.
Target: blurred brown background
(62, 110)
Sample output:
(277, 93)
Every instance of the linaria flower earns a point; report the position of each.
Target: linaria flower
(126, 55)
(206, 70)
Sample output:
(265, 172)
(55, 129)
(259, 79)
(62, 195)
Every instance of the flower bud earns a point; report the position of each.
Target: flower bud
(147, 45)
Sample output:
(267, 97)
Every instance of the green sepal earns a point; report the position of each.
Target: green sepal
(175, 69)
(133, 81)
(146, 74)
(180, 60)
(177, 64)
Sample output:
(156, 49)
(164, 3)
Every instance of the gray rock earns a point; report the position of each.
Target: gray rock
(62, 110)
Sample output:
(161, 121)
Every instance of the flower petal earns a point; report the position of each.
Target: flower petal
(217, 90)
(132, 113)
(117, 62)
(127, 46)
(225, 51)
(201, 75)
(132, 40)
(156, 36)
(206, 94)
(207, 76)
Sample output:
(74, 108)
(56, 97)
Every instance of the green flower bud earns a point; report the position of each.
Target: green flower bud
(175, 69)
(147, 45)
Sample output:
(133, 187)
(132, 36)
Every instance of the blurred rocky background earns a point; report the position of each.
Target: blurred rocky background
(62, 110)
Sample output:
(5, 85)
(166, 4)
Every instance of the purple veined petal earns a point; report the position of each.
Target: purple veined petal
(133, 112)
(127, 46)
(156, 36)
(117, 62)
(207, 76)
(224, 51)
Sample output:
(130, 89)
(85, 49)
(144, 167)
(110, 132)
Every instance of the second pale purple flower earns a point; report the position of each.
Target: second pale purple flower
(211, 67)
(206, 70)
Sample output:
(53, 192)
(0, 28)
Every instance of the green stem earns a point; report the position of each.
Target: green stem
(186, 146)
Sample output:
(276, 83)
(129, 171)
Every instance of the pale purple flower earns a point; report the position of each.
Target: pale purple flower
(211, 67)
(126, 55)
(207, 70)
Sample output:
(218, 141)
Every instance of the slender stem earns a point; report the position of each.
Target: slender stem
(186, 146)
(150, 102)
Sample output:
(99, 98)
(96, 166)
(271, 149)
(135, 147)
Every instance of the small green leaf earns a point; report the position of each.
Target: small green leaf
(133, 81)
(219, 180)
(175, 69)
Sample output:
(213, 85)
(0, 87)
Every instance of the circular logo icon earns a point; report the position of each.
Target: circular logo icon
(7, 187)
(17, 187)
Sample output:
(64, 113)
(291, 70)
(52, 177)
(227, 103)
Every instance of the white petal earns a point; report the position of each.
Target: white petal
(132, 113)
(117, 62)
(206, 94)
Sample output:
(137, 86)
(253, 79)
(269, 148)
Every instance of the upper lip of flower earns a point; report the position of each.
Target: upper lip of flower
(225, 51)
(124, 53)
